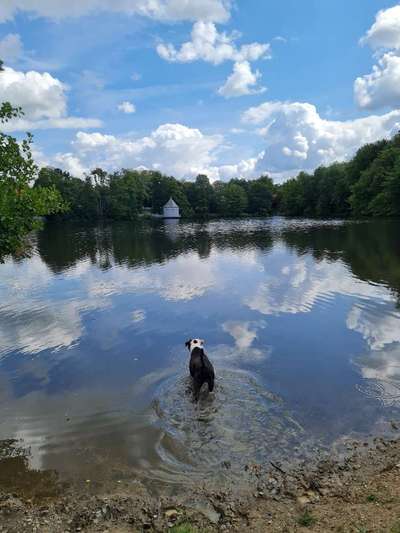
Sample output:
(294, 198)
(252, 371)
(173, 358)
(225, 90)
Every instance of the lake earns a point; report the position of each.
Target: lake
(301, 319)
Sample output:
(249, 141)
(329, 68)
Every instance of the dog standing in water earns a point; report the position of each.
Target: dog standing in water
(200, 366)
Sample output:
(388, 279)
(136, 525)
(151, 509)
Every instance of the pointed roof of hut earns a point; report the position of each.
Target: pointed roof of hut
(171, 203)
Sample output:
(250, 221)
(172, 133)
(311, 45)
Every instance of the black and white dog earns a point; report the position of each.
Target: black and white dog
(200, 366)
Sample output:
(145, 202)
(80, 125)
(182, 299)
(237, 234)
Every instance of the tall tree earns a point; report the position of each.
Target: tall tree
(21, 205)
(201, 195)
(231, 199)
(260, 195)
(126, 195)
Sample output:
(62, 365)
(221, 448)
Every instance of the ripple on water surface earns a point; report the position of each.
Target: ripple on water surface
(240, 423)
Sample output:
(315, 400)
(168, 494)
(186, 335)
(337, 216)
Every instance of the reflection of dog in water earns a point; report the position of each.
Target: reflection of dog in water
(200, 366)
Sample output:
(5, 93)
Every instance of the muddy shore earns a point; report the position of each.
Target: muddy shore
(356, 491)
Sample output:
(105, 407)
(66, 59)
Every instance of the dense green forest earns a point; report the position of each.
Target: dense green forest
(125, 194)
(366, 186)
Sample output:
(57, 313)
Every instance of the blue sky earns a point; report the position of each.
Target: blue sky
(106, 83)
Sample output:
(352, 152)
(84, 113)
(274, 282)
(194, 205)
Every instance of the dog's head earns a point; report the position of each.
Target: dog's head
(194, 343)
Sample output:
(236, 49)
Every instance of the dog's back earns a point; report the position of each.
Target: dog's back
(201, 369)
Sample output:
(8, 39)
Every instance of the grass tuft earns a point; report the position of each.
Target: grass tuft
(395, 528)
(183, 528)
(306, 519)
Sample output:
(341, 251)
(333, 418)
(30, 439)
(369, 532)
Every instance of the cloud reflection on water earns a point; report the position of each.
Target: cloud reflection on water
(380, 364)
(104, 315)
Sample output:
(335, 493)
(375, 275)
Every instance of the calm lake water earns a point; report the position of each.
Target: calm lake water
(301, 320)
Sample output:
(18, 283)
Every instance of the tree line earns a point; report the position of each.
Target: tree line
(125, 194)
(366, 186)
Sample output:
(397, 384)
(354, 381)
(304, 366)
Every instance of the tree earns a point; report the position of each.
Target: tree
(292, 198)
(260, 195)
(79, 195)
(201, 195)
(126, 195)
(100, 180)
(364, 158)
(370, 193)
(21, 205)
(231, 199)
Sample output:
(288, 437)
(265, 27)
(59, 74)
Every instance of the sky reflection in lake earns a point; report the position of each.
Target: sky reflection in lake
(301, 319)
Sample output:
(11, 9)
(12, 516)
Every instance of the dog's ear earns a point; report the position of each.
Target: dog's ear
(187, 343)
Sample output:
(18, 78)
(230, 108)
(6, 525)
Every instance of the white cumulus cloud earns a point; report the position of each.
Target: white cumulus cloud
(127, 107)
(70, 163)
(242, 81)
(215, 10)
(385, 32)
(246, 168)
(171, 148)
(207, 44)
(42, 98)
(40, 95)
(297, 138)
(381, 87)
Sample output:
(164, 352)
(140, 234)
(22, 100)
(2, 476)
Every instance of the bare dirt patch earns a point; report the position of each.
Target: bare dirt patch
(357, 493)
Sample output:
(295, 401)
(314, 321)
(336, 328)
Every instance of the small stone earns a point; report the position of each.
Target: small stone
(171, 514)
(303, 500)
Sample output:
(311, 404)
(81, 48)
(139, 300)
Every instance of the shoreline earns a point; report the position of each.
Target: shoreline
(357, 492)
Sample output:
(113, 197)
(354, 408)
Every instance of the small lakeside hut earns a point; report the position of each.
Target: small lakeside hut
(171, 210)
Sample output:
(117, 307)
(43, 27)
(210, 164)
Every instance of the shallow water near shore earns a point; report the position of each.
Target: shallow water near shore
(301, 319)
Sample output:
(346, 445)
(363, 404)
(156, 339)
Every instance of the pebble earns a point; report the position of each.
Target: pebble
(171, 514)
(303, 500)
